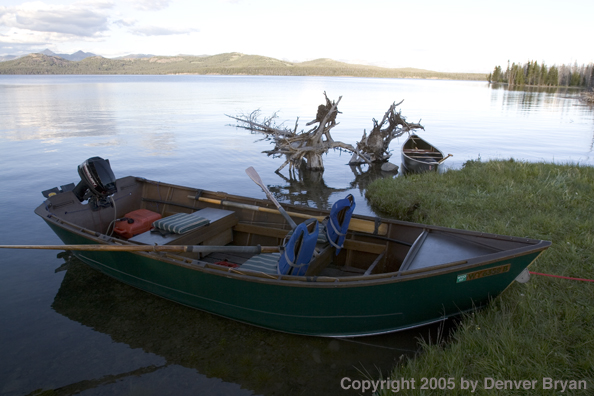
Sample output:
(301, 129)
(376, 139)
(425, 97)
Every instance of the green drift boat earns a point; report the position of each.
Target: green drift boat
(386, 275)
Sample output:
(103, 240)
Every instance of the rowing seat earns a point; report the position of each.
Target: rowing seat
(295, 256)
(207, 226)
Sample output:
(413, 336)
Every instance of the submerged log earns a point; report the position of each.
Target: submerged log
(375, 146)
(306, 148)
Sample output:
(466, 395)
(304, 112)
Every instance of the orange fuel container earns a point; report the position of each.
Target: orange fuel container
(137, 222)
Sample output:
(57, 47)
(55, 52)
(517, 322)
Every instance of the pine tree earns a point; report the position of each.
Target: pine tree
(553, 76)
(531, 73)
(497, 75)
(531, 69)
(542, 77)
(520, 79)
(574, 79)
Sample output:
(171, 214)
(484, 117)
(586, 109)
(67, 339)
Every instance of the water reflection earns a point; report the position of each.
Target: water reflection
(364, 178)
(526, 98)
(307, 187)
(54, 112)
(259, 360)
(160, 143)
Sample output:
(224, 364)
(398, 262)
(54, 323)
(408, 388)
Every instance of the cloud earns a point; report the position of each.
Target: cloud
(161, 31)
(75, 22)
(29, 40)
(125, 22)
(8, 47)
(78, 19)
(150, 5)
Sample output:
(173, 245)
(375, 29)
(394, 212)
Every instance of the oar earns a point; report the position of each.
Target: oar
(244, 206)
(153, 248)
(355, 224)
(445, 158)
(251, 172)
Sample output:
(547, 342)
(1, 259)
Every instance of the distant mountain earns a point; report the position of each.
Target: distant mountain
(7, 57)
(325, 62)
(77, 56)
(233, 63)
(35, 64)
(134, 56)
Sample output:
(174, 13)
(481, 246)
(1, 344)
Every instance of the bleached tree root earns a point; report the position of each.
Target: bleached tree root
(308, 147)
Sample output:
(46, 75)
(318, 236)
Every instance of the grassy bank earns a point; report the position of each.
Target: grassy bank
(541, 329)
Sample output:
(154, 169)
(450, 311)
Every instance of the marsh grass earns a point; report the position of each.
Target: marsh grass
(544, 328)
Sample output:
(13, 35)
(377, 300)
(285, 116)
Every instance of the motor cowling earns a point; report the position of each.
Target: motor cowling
(96, 180)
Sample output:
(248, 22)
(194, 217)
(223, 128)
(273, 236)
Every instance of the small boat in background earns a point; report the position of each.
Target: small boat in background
(418, 155)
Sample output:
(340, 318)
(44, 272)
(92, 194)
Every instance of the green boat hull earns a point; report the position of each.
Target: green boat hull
(334, 309)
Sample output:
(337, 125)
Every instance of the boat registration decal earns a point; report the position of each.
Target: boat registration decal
(483, 273)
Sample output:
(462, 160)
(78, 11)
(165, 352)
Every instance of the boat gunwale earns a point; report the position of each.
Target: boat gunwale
(534, 245)
(265, 203)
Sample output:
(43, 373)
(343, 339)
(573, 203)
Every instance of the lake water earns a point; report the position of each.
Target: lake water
(67, 328)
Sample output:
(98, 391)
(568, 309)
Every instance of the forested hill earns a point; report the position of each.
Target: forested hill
(225, 64)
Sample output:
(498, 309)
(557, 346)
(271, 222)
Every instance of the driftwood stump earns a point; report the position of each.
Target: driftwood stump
(306, 148)
(375, 146)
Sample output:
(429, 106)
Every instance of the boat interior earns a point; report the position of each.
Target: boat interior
(420, 150)
(371, 247)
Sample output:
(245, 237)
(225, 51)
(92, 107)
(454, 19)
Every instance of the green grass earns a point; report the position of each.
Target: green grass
(541, 329)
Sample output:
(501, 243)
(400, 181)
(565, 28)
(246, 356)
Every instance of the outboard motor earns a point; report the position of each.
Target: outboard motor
(97, 182)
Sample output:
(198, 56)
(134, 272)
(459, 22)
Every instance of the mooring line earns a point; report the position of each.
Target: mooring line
(562, 277)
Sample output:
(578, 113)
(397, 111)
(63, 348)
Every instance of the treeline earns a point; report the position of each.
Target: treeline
(532, 73)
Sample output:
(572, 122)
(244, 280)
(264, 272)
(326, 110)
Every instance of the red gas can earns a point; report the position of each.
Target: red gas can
(137, 222)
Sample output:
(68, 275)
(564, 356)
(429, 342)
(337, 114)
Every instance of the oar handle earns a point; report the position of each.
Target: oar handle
(445, 158)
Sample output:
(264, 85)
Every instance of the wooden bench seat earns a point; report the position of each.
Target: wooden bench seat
(217, 232)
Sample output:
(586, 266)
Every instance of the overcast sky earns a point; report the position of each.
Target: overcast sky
(454, 35)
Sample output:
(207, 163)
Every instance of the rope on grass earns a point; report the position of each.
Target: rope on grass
(562, 277)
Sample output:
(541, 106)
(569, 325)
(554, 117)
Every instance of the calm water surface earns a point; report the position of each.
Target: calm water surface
(67, 328)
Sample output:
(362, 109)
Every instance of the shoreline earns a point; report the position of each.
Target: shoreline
(532, 329)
